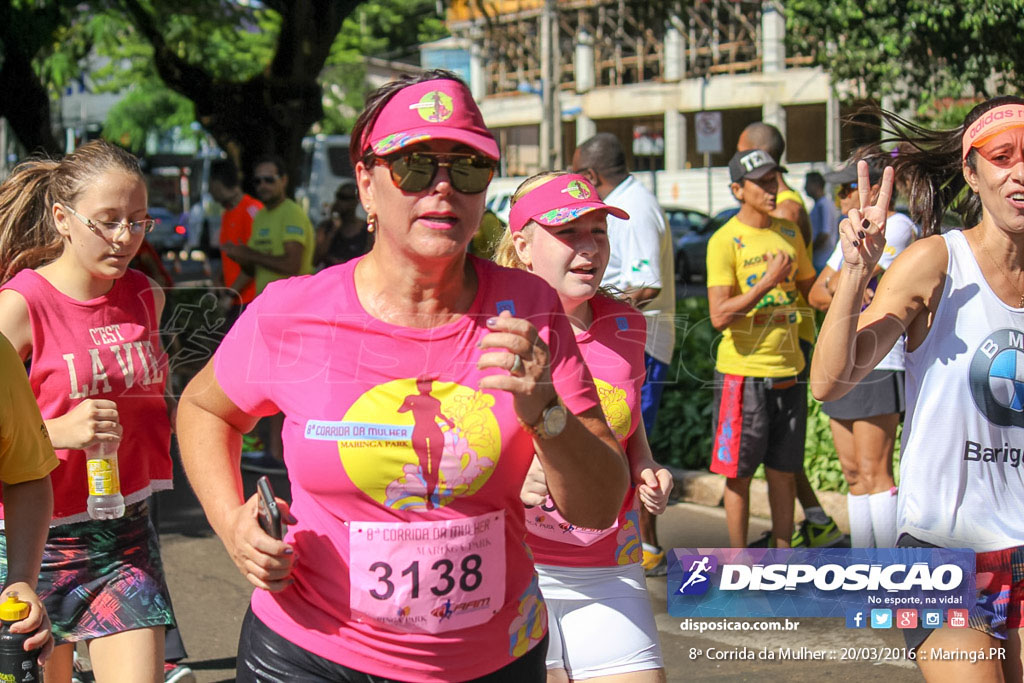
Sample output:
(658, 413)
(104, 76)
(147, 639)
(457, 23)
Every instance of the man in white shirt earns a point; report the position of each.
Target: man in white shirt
(642, 268)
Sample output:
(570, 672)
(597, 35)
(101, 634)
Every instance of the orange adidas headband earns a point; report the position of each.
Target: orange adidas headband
(991, 122)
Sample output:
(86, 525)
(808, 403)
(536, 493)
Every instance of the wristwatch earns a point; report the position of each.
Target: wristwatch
(551, 422)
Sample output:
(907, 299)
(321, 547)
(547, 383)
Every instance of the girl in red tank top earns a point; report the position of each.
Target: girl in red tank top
(89, 326)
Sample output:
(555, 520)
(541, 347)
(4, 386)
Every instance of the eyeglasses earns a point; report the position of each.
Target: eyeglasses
(266, 179)
(414, 172)
(845, 190)
(111, 229)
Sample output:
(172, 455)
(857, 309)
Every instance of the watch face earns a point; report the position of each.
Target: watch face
(554, 420)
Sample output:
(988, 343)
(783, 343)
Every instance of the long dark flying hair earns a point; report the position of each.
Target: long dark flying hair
(929, 166)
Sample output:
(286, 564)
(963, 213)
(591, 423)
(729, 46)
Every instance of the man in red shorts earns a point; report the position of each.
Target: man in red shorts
(756, 265)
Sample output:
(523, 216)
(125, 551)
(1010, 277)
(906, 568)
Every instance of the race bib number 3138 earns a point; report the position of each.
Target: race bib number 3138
(428, 577)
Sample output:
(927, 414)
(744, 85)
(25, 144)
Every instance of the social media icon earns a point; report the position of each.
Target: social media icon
(881, 618)
(906, 618)
(931, 618)
(957, 618)
(856, 618)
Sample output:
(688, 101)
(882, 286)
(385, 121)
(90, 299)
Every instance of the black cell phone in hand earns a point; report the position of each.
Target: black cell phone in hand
(269, 513)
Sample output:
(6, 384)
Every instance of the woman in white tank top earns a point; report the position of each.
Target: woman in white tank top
(959, 298)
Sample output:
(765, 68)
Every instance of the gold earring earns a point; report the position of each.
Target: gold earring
(371, 222)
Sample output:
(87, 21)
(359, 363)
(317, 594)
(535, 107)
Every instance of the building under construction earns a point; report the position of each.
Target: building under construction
(642, 69)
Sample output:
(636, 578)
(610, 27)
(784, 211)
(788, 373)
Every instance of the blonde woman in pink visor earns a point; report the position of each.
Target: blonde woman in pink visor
(959, 298)
(599, 614)
(417, 382)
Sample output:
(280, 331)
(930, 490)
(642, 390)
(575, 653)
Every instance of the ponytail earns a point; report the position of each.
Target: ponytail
(28, 236)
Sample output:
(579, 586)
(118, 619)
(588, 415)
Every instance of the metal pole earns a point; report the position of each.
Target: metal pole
(556, 79)
(707, 155)
(707, 165)
(549, 117)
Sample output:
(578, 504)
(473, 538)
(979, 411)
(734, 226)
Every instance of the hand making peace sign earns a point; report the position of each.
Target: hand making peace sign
(862, 232)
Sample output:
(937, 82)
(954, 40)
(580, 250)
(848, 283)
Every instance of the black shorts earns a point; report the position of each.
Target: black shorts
(879, 393)
(264, 657)
(757, 420)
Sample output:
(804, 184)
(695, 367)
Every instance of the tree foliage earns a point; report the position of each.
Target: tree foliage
(915, 51)
(28, 35)
(247, 72)
(386, 29)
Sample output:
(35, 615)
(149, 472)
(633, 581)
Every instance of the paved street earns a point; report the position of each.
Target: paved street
(210, 598)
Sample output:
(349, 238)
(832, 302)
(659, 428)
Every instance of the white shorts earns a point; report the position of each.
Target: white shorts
(600, 621)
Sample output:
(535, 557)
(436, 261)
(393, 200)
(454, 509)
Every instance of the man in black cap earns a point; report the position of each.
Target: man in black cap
(756, 264)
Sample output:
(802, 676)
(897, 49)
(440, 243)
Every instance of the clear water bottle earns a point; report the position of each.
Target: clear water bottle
(105, 499)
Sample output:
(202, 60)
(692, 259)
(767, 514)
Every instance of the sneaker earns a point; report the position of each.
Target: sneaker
(80, 672)
(262, 462)
(252, 443)
(812, 535)
(178, 673)
(655, 564)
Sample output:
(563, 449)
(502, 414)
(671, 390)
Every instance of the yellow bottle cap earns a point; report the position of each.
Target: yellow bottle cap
(13, 609)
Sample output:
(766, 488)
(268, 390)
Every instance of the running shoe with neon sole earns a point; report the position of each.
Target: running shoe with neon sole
(178, 673)
(811, 535)
(655, 563)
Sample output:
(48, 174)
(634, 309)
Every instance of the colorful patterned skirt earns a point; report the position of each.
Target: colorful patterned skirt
(102, 577)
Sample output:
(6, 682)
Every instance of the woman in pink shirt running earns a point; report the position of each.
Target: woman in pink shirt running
(402, 562)
(599, 613)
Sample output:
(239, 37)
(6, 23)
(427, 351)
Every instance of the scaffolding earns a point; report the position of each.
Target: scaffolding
(613, 42)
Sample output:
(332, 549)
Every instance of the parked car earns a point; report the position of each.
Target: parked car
(692, 247)
(169, 233)
(681, 222)
(500, 205)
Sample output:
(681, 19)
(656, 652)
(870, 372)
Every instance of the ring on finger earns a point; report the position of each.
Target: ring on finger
(517, 364)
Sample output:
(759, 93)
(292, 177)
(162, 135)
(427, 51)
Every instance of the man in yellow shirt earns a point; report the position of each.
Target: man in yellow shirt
(282, 239)
(818, 529)
(756, 266)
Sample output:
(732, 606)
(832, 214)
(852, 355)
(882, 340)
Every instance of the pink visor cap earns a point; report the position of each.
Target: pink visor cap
(561, 200)
(440, 109)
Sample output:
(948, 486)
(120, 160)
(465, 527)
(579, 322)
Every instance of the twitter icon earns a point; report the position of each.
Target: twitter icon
(881, 618)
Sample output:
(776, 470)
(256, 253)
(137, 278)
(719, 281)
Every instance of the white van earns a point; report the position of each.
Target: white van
(325, 166)
(203, 212)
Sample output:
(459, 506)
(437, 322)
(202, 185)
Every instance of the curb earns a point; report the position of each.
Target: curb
(704, 488)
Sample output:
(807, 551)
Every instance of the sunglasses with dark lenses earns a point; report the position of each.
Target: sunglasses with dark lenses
(414, 172)
(265, 179)
(845, 190)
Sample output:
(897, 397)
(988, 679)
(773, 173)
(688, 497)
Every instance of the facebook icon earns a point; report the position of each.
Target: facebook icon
(855, 618)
